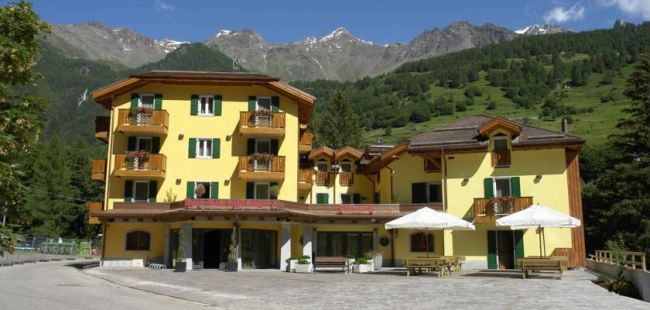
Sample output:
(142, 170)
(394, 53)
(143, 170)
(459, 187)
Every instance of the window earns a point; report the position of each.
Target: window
(206, 105)
(263, 104)
(263, 146)
(351, 198)
(262, 191)
(141, 191)
(502, 187)
(341, 244)
(137, 241)
(143, 144)
(500, 143)
(500, 151)
(346, 166)
(202, 190)
(322, 165)
(421, 242)
(146, 101)
(322, 198)
(204, 148)
(434, 192)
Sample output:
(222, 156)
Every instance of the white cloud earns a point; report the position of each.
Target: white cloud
(163, 7)
(560, 15)
(630, 7)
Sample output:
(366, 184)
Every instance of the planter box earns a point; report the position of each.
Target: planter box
(371, 263)
(232, 266)
(378, 260)
(361, 268)
(180, 267)
(350, 265)
(291, 267)
(304, 268)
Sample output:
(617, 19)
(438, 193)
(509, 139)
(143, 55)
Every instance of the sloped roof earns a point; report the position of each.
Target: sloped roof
(464, 134)
(305, 100)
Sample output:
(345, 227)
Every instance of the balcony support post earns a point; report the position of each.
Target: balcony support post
(307, 237)
(285, 248)
(187, 246)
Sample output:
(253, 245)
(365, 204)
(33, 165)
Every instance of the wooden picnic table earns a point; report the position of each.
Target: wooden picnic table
(441, 264)
(537, 263)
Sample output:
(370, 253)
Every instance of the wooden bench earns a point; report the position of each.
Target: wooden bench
(419, 265)
(532, 264)
(331, 261)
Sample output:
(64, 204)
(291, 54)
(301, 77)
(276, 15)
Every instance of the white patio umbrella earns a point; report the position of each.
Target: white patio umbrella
(538, 216)
(428, 219)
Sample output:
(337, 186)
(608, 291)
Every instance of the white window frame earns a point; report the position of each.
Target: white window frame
(494, 184)
(211, 111)
(198, 144)
(153, 102)
(428, 191)
(268, 184)
(262, 140)
(258, 106)
(323, 161)
(209, 190)
(135, 182)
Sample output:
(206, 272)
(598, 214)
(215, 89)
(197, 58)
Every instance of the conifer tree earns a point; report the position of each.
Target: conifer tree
(338, 126)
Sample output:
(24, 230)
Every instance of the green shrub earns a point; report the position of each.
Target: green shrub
(303, 261)
(361, 261)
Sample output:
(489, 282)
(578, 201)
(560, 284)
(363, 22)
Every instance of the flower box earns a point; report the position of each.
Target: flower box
(304, 268)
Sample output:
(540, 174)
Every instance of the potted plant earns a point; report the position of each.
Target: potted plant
(261, 162)
(233, 264)
(361, 265)
(181, 265)
(262, 118)
(377, 260)
(304, 265)
(293, 261)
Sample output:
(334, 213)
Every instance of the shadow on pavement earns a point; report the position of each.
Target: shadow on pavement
(84, 264)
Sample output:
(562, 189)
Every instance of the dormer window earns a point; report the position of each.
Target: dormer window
(346, 166)
(500, 151)
(322, 165)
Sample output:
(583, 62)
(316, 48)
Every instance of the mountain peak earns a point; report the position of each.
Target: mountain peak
(537, 29)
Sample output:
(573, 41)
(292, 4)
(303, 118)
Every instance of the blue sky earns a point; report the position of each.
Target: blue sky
(382, 21)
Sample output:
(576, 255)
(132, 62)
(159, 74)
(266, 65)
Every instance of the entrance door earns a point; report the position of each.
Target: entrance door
(258, 249)
(212, 249)
(505, 250)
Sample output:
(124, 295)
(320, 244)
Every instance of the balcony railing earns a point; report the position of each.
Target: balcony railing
(140, 164)
(261, 167)
(147, 121)
(501, 158)
(306, 141)
(264, 123)
(487, 210)
(322, 178)
(98, 172)
(346, 178)
(305, 178)
(93, 207)
(102, 127)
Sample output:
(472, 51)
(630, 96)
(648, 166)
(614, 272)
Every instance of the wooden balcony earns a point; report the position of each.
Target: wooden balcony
(102, 127)
(322, 178)
(488, 210)
(346, 178)
(259, 167)
(267, 124)
(98, 172)
(501, 158)
(93, 207)
(305, 178)
(306, 141)
(155, 123)
(151, 166)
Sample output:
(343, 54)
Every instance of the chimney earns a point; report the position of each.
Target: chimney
(380, 141)
(565, 125)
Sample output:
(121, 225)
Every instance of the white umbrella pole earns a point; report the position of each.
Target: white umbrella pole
(544, 238)
(426, 238)
(539, 231)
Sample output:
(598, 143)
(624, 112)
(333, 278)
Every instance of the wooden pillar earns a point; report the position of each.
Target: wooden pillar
(575, 207)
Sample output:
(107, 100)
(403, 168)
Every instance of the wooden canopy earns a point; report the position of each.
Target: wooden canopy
(499, 123)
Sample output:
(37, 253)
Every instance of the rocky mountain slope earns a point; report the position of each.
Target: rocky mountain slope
(538, 29)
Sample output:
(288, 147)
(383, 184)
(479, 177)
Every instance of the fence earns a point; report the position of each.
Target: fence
(60, 246)
(634, 260)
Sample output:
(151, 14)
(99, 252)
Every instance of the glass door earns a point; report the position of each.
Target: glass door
(258, 249)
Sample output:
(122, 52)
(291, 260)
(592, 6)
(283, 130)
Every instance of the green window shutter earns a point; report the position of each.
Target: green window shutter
(252, 102)
(274, 147)
(419, 193)
(131, 144)
(194, 107)
(157, 102)
(492, 250)
(519, 244)
(191, 150)
(216, 148)
(322, 198)
(516, 187)
(190, 190)
(250, 190)
(275, 104)
(488, 187)
(217, 105)
(153, 190)
(135, 99)
(155, 145)
(128, 191)
(356, 198)
(214, 190)
(250, 147)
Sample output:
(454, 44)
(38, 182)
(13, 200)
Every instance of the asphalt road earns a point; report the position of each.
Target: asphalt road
(57, 285)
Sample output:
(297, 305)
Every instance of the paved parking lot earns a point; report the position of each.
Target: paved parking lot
(272, 289)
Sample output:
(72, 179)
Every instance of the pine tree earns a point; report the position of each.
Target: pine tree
(338, 126)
